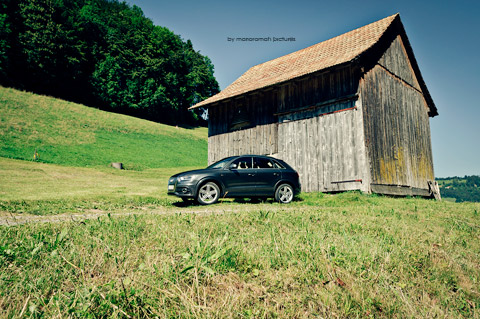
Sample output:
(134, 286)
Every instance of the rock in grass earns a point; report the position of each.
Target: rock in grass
(117, 165)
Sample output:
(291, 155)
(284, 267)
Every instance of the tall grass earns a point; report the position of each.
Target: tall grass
(343, 256)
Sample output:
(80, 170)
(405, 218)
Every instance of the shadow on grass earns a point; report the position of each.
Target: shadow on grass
(186, 203)
(255, 200)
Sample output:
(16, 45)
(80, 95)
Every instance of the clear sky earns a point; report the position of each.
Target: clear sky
(445, 37)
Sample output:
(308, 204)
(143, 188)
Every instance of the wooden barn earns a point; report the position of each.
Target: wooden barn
(349, 113)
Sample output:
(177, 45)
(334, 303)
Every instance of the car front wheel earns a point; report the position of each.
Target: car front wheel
(284, 194)
(208, 193)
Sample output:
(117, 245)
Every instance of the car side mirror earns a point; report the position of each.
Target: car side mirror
(233, 166)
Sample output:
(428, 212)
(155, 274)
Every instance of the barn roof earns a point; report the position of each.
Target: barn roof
(339, 50)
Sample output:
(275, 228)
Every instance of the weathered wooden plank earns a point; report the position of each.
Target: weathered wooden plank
(400, 190)
(395, 60)
(362, 161)
(312, 149)
(320, 147)
(398, 130)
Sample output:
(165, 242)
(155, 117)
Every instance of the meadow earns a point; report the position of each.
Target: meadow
(333, 256)
(74, 135)
(146, 255)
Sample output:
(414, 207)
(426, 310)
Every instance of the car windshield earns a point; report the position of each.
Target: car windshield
(220, 163)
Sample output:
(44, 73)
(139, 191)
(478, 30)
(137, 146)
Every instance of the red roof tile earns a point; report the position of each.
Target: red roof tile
(338, 50)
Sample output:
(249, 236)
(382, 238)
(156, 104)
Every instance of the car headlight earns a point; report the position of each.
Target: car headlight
(185, 178)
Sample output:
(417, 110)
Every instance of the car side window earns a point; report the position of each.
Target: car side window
(277, 164)
(260, 162)
(242, 163)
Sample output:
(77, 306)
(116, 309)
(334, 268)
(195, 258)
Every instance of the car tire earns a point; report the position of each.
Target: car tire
(208, 193)
(284, 193)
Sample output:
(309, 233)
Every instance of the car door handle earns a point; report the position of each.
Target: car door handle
(276, 174)
(250, 174)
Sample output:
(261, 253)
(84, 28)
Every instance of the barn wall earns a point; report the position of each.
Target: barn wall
(397, 128)
(327, 150)
(251, 112)
(326, 146)
(243, 112)
(315, 124)
(262, 107)
(262, 139)
(396, 61)
(316, 89)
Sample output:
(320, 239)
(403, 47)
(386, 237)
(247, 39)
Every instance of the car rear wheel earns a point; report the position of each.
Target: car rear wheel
(208, 193)
(284, 194)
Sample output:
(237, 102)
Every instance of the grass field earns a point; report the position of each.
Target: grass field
(343, 256)
(49, 189)
(75, 135)
(349, 255)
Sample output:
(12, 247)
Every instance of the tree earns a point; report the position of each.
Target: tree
(103, 53)
(4, 35)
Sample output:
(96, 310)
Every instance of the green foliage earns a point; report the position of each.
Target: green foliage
(4, 35)
(460, 189)
(105, 54)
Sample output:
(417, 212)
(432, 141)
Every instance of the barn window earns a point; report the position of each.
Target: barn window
(240, 119)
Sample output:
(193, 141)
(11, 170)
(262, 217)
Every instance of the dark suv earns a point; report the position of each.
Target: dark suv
(251, 176)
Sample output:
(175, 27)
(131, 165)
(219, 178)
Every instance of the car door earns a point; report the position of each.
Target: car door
(267, 175)
(239, 178)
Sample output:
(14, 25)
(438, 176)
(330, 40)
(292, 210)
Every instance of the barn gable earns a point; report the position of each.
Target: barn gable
(348, 113)
(396, 61)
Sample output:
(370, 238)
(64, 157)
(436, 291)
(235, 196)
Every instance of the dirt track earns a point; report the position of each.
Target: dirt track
(9, 219)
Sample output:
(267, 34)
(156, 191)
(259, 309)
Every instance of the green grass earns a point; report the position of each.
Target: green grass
(46, 189)
(341, 256)
(348, 255)
(75, 135)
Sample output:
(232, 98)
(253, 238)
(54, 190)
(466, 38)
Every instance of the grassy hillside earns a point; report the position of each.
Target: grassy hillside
(74, 135)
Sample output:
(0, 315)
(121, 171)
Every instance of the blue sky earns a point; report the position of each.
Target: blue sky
(445, 37)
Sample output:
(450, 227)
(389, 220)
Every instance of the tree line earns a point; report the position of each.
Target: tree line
(463, 189)
(102, 53)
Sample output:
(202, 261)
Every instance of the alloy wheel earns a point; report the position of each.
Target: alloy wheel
(208, 194)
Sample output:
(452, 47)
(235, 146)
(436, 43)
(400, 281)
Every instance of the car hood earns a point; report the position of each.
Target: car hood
(192, 172)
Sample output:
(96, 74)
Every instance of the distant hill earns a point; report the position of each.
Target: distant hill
(75, 135)
(460, 189)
